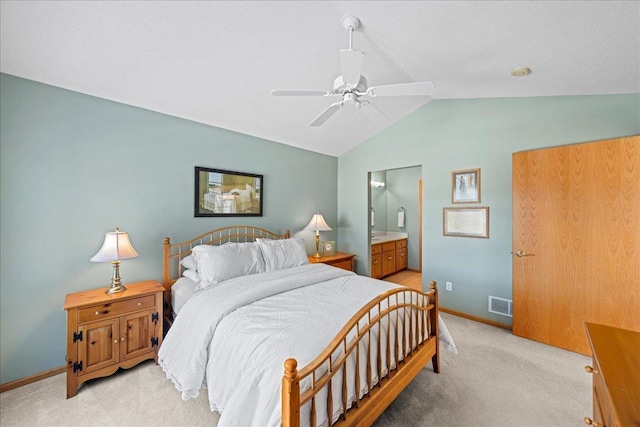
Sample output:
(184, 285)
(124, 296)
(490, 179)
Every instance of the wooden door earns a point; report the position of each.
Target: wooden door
(401, 258)
(388, 262)
(576, 240)
(376, 266)
(136, 331)
(99, 346)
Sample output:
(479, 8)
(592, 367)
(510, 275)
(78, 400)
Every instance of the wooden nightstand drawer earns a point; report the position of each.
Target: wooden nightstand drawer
(111, 309)
(339, 259)
(346, 265)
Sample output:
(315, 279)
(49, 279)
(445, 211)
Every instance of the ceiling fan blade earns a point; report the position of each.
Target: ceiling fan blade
(328, 112)
(351, 62)
(403, 89)
(300, 93)
(372, 111)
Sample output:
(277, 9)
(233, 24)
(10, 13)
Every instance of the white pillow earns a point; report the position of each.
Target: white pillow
(283, 253)
(191, 274)
(219, 263)
(189, 263)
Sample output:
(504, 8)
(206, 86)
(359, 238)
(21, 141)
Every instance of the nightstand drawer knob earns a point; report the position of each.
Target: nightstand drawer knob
(590, 422)
(591, 371)
(102, 312)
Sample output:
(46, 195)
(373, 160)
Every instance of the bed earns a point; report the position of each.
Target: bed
(358, 341)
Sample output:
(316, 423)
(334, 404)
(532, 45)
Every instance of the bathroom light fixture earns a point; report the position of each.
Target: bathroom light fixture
(377, 184)
(317, 224)
(116, 247)
(521, 71)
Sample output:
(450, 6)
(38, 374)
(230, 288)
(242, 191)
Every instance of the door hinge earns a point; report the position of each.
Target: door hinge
(77, 366)
(154, 342)
(155, 317)
(77, 336)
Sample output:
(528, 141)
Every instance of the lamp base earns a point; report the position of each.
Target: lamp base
(116, 283)
(114, 289)
(317, 255)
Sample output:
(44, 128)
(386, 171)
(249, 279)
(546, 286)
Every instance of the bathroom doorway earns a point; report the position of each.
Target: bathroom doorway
(395, 211)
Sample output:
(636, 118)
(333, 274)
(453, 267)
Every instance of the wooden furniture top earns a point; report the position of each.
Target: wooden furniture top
(394, 239)
(99, 296)
(617, 352)
(328, 258)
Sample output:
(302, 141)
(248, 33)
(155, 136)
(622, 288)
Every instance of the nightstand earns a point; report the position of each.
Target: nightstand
(110, 331)
(340, 260)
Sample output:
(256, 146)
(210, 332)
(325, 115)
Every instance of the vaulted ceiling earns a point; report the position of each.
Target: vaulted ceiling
(216, 62)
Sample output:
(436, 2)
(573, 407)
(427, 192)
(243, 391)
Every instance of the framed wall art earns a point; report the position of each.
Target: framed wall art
(466, 222)
(225, 193)
(465, 186)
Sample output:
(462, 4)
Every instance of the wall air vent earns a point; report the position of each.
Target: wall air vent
(500, 306)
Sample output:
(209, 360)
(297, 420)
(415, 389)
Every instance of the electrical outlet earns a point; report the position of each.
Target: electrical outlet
(448, 286)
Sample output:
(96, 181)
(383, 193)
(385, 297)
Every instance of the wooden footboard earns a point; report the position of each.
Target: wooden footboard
(409, 321)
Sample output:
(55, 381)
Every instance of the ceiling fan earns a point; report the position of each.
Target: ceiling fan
(352, 85)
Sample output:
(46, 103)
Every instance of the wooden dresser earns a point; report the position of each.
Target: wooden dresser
(339, 259)
(106, 332)
(616, 376)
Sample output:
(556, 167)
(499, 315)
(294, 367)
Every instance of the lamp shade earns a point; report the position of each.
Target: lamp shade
(317, 223)
(116, 247)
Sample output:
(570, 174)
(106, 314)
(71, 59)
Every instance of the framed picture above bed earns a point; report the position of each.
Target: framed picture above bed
(226, 193)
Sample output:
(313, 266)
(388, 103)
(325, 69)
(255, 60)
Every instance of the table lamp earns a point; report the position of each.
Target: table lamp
(317, 224)
(116, 247)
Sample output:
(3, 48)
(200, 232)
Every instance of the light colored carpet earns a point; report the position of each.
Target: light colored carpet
(495, 380)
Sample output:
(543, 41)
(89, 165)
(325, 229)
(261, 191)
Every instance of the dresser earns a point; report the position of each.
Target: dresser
(106, 332)
(342, 260)
(616, 376)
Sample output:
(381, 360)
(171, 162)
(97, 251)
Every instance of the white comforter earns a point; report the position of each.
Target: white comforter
(233, 338)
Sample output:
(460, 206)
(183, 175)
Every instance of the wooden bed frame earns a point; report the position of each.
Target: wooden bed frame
(417, 311)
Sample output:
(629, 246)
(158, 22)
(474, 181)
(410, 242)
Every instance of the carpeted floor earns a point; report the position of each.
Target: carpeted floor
(496, 379)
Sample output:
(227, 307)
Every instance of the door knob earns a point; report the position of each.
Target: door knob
(521, 254)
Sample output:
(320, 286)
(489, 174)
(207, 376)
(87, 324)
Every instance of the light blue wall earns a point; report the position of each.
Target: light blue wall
(73, 167)
(447, 135)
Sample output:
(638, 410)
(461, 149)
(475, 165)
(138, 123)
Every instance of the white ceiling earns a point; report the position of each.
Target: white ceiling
(216, 62)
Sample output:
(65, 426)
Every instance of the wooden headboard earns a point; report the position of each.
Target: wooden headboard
(173, 253)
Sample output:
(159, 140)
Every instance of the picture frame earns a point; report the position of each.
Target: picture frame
(465, 186)
(226, 193)
(328, 248)
(466, 222)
